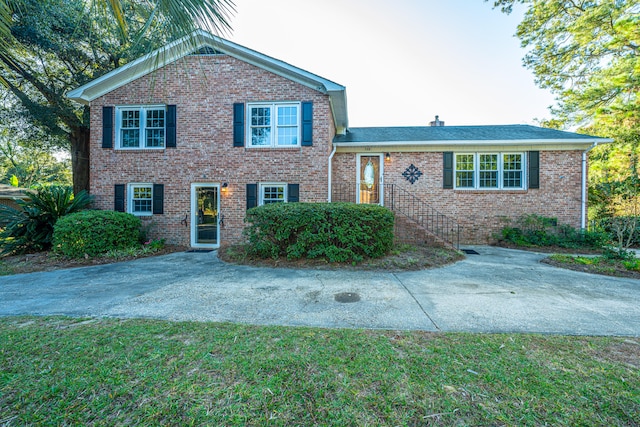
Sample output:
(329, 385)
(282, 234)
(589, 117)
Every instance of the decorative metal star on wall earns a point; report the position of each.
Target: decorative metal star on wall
(412, 174)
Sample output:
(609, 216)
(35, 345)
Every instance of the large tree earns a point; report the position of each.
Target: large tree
(587, 52)
(28, 153)
(52, 46)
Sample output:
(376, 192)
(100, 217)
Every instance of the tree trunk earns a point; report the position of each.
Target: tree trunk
(79, 139)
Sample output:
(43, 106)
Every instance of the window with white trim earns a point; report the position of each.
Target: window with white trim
(273, 125)
(141, 127)
(140, 199)
(273, 193)
(489, 171)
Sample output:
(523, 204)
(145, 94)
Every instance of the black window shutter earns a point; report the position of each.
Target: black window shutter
(158, 199)
(252, 195)
(293, 192)
(171, 126)
(447, 171)
(534, 169)
(307, 124)
(238, 125)
(107, 127)
(118, 202)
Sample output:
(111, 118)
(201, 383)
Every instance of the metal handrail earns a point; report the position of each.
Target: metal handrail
(404, 203)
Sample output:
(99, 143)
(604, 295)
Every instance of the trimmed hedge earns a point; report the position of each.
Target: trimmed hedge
(95, 232)
(337, 232)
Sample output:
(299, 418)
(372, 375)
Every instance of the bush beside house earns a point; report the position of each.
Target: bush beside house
(91, 233)
(337, 232)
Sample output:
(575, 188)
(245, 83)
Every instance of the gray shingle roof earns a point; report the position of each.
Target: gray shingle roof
(460, 133)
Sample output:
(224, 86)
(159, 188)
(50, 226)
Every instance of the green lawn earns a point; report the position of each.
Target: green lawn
(61, 371)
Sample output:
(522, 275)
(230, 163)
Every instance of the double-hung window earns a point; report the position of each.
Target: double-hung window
(141, 127)
(489, 171)
(273, 125)
(272, 193)
(140, 199)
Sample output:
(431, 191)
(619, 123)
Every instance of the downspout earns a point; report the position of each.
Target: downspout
(330, 172)
(583, 213)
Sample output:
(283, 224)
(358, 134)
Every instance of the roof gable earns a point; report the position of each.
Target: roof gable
(199, 40)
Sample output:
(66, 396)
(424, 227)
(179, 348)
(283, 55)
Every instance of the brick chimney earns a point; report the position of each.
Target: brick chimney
(436, 122)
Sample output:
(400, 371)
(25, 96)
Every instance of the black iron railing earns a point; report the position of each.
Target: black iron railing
(406, 204)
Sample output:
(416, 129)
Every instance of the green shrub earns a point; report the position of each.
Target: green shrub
(95, 232)
(633, 264)
(336, 232)
(621, 227)
(535, 230)
(30, 228)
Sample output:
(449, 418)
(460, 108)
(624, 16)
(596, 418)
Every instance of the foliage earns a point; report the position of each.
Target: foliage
(337, 232)
(402, 257)
(149, 372)
(613, 253)
(587, 54)
(632, 264)
(26, 163)
(610, 263)
(30, 228)
(52, 46)
(536, 230)
(91, 233)
(176, 18)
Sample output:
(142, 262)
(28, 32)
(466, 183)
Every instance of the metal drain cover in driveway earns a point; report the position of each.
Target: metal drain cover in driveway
(347, 297)
(470, 252)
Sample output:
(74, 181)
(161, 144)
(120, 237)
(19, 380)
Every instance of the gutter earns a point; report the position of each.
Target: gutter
(330, 172)
(583, 207)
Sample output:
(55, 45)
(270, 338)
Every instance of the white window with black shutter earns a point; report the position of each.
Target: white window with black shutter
(140, 127)
(141, 199)
(485, 171)
(271, 192)
(273, 124)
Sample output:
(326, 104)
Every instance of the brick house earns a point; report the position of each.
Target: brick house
(191, 136)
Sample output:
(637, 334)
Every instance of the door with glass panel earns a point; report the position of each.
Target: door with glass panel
(205, 215)
(369, 179)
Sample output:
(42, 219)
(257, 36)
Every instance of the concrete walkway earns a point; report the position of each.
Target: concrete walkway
(499, 290)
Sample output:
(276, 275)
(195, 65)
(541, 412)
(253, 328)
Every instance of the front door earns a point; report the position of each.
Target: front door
(205, 212)
(369, 179)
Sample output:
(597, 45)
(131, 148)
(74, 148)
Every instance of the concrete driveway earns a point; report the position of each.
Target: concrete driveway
(499, 290)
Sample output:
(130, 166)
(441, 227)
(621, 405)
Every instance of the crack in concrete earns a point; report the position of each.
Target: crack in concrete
(417, 302)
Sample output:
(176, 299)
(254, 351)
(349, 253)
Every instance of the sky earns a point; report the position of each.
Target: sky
(403, 61)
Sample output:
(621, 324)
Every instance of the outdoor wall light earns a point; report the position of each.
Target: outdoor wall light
(225, 186)
(387, 157)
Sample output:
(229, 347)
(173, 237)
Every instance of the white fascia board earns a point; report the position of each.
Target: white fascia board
(276, 66)
(338, 100)
(184, 46)
(572, 143)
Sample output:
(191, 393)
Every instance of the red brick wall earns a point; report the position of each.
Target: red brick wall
(481, 212)
(204, 89)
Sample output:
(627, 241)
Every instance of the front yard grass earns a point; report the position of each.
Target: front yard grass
(62, 371)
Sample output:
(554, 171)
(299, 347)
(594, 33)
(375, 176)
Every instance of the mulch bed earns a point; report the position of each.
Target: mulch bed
(48, 261)
(613, 269)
